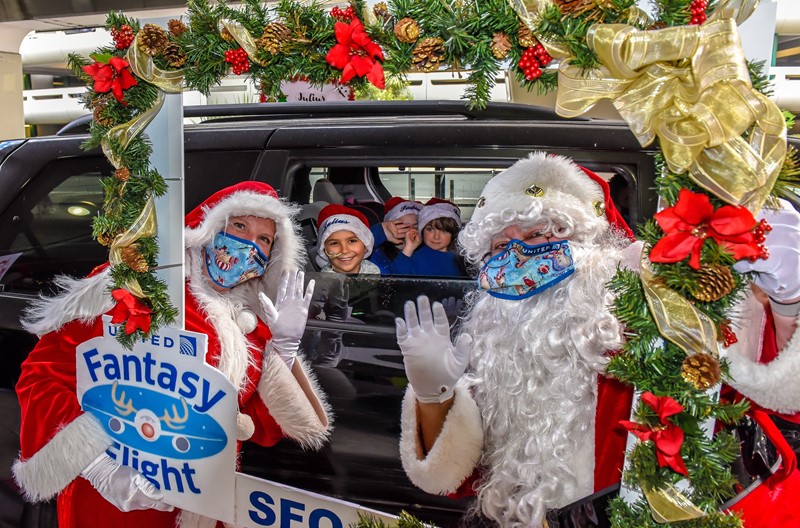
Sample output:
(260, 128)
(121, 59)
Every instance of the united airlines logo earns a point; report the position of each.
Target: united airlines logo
(188, 346)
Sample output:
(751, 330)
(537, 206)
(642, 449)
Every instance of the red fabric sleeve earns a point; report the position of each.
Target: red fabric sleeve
(614, 400)
(46, 387)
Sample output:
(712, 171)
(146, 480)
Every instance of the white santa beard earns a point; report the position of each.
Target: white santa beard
(535, 368)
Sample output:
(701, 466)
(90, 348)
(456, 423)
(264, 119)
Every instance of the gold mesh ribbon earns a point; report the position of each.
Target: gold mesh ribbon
(169, 81)
(528, 12)
(144, 226)
(667, 504)
(124, 133)
(676, 318)
(243, 38)
(688, 86)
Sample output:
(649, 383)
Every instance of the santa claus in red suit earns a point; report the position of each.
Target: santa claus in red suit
(518, 411)
(254, 315)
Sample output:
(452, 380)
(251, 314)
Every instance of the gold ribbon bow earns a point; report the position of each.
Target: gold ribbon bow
(688, 86)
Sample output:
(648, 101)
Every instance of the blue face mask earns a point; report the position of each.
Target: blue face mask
(520, 270)
(231, 260)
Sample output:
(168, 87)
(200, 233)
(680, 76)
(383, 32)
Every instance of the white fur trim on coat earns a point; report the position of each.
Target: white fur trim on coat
(81, 299)
(456, 452)
(42, 476)
(289, 405)
(772, 385)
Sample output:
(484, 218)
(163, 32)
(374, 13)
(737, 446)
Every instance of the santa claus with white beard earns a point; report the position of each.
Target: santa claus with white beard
(518, 410)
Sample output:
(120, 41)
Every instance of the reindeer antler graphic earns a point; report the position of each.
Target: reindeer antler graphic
(123, 408)
(174, 420)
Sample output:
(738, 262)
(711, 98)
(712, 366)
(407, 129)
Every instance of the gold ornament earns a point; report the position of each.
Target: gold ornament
(428, 54)
(501, 45)
(701, 370)
(152, 39)
(275, 37)
(407, 30)
(174, 55)
(134, 259)
(381, 11)
(713, 283)
(123, 174)
(525, 37)
(177, 27)
(575, 8)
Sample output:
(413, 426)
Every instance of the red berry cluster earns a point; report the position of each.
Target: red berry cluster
(728, 336)
(123, 37)
(238, 60)
(698, 10)
(346, 14)
(533, 60)
(760, 232)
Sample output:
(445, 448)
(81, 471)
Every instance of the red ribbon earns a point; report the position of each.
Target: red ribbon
(693, 219)
(667, 437)
(356, 54)
(134, 312)
(114, 76)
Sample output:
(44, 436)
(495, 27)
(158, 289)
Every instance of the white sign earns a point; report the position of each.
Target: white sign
(304, 91)
(171, 415)
(263, 503)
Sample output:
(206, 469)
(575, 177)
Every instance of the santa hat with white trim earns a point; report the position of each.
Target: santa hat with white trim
(438, 208)
(542, 187)
(248, 198)
(335, 217)
(398, 206)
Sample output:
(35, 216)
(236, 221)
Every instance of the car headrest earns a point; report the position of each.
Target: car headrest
(325, 191)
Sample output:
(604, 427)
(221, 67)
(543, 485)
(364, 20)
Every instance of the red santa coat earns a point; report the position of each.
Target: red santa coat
(54, 430)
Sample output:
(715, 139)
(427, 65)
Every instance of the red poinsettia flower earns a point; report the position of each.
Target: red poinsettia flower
(667, 437)
(134, 312)
(693, 219)
(356, 54)
(114, 76)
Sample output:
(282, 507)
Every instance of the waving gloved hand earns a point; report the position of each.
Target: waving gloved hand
(779, 275)
(433, 364)
(124, 487)
(287, 317)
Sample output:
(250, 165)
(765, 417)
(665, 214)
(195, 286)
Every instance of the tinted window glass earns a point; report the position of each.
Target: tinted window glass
(49, 225)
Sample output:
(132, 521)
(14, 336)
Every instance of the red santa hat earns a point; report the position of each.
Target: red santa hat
(438, 208)
(398, 206)
(542, 187)
(337, 217)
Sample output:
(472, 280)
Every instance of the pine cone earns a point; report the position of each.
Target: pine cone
(134, 259)
(381, 11)
(713, 283)
(407, 30)
(525, 37)
(428, 53)
(701, 370)
(501, 45)
(275, 37)
(123, 174)
(99, 113)
(575, 8)
(152, 39)
(177, 27)
(174, 55)
(226, 35)
(105, 239)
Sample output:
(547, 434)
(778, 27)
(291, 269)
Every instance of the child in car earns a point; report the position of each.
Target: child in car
(430, 249)
(345, 241)
(400, 217)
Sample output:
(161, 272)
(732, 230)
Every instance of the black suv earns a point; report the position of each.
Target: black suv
(314, 154)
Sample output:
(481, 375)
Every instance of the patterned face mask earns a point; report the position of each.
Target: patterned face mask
(521, 270)
(231, 260)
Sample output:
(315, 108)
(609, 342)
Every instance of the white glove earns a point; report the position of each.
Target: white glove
(433, 364)
(779, 275)
(125, 488)
(287, 317)
(452, 307)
